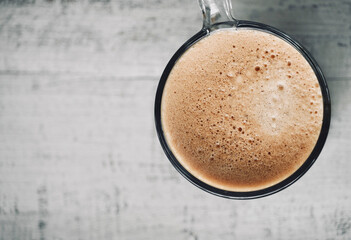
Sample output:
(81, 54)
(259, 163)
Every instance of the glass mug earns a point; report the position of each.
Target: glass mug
(218, 14)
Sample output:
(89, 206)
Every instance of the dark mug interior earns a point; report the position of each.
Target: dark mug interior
(309, 161)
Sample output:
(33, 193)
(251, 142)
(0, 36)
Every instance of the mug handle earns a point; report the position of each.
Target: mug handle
(217, 14)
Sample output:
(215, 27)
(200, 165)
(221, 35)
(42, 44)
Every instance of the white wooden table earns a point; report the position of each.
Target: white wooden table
(79, 156)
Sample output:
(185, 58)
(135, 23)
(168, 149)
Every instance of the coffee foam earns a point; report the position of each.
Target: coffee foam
(241, 110)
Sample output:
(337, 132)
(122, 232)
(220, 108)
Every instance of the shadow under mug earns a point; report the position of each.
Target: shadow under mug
(218, 15)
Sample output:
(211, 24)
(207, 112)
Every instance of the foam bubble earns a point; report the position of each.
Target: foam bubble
(280, 86)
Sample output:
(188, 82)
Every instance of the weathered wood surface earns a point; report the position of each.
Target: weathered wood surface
(79, 156)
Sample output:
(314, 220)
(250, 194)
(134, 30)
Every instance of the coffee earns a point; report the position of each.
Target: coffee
(241, 110)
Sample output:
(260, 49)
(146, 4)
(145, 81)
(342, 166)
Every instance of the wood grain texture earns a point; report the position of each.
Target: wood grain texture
(79, 156)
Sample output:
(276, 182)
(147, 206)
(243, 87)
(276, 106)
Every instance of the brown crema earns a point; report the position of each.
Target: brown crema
(241, 110)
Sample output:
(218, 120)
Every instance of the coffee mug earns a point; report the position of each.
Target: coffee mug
(217, 15)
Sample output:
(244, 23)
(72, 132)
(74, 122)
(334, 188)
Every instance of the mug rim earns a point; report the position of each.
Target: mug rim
(294, 176)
